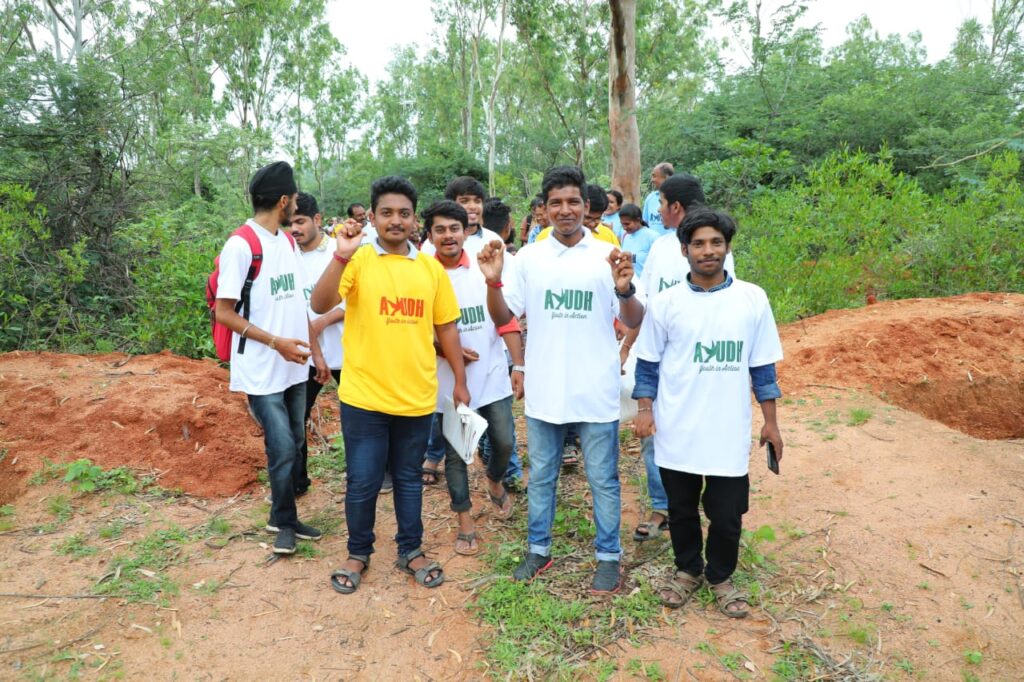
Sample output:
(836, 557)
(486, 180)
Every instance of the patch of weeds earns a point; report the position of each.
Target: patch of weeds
(6, 517)
(326, 521)
(138, 573)
(86, 477)
(262, 477)
(532, 626)
(112, 530)
(573, 522)
(731, 661)
(648, 671)
(966, 605)
(307, 550)
(60, 507)
(625, 435)
(905, 665)
(75, 546)
(329, 464)
(794, 664)
(859, 416)
(968, 676)
(862, 634)
(218, 526)
(49, 472)
(924, 585)
(888, 607)
(973, 657)
(829, 436)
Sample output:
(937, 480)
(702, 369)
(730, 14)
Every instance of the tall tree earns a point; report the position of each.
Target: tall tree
(622, 126)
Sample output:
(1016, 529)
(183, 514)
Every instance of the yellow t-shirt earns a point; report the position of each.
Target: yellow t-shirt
(392, 305)
(602, 233)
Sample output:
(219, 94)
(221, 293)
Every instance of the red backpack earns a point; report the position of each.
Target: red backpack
(221, 334)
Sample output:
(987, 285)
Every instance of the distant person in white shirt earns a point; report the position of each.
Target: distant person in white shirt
(315, 249)
(271, 344)
(469, 193)
(702, 347)
(571, 287)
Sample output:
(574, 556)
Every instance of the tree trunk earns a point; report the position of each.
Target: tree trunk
(625, 136)
(492, 124)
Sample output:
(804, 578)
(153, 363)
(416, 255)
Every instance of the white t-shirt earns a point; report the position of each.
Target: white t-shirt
(473, 245)
(706, 344)
(572, 357)
(276, 306)
(486, 378)
(313, 265)
(666, 266)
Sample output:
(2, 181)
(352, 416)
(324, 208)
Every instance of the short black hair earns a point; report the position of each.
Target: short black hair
(392, 184)
(563, 176)
(536, 202)
(617, 194)
(496, 214)
(706, 217)
(352, 208)
(631, 211)
(307, 205)
(445, 208)
(464, 185)
(684, 189)
(597, 197)
(264, 202)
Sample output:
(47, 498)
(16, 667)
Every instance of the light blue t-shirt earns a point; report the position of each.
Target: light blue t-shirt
(639, 244)
(615, 222)
(651, 214)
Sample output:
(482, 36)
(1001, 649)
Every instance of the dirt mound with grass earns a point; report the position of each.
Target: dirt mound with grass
(162, 415)
(959, 361)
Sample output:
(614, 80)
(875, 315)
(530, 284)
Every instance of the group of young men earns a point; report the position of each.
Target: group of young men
(404, 329)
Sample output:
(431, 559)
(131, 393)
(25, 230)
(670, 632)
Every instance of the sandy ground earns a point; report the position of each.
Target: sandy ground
(897, 549)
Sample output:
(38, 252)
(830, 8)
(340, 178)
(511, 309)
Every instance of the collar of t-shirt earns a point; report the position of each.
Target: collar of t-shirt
(463, 259)
(479, 232)
(718, 287)
(381, 251)
(588, 239)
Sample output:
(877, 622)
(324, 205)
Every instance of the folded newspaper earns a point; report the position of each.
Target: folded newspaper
(462, 428)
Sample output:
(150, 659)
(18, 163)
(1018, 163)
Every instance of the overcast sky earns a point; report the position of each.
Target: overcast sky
(370, 30)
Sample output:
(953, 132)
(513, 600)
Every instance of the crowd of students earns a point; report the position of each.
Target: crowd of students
(406, 320)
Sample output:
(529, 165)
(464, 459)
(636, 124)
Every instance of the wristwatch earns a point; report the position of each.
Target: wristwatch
(629, 292)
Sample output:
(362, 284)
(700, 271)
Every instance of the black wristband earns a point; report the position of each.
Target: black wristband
(629, 293)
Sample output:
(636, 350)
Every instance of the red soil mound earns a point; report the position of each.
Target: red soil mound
(152, 412)
(956, 360)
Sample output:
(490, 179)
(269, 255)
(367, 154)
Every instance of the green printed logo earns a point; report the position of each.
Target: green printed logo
(718, 356)
(282, 283)
(569, 299)
(663, 284)
(472, 315)
(307, 292)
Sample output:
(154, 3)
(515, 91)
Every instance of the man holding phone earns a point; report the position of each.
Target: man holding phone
(702, 346)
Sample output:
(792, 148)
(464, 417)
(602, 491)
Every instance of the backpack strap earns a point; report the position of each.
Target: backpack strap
(242, 306)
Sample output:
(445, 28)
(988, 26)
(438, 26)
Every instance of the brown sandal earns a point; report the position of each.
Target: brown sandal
(726, 595)
(471, 540)
(679, 589)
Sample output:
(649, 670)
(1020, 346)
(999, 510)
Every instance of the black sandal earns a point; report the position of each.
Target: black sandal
(421, 575)
(354, 577)
(434, 474)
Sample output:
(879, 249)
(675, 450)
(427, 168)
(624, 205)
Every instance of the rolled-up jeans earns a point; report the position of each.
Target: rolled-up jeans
(600, 443)
(373, 441)
(500, 432)
(282, 416)
(655, 489)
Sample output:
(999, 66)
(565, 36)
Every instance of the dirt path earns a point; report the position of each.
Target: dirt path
(897, 545)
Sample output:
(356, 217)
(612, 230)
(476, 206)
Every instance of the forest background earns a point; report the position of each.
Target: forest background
(128, 132)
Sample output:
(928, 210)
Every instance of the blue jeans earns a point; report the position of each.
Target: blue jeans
(601, 462)
(282, 416)
(514, 471)
(373, 441)
(436, 443)
(655, 489)
(500, 431)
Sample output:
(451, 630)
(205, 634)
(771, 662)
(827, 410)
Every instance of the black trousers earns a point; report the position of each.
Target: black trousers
(300, 475)
(725, 500)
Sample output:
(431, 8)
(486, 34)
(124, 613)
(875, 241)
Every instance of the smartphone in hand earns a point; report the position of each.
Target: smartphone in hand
(773, 461)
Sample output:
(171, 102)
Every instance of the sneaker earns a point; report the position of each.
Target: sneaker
(532, 566)
(388, 485)
(285, 542)
(302, 531)
(607, 578)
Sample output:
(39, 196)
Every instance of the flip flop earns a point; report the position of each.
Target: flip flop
(434, 474)
(499, 502)
(469, 538)
(649, 531)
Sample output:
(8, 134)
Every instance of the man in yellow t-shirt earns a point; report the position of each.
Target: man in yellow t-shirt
(597, 202)
(396, 300)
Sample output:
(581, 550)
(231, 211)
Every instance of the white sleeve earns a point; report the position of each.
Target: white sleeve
(515, 286)
(650, 344)
(767, 348)
(730, 264)
(235, 259)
